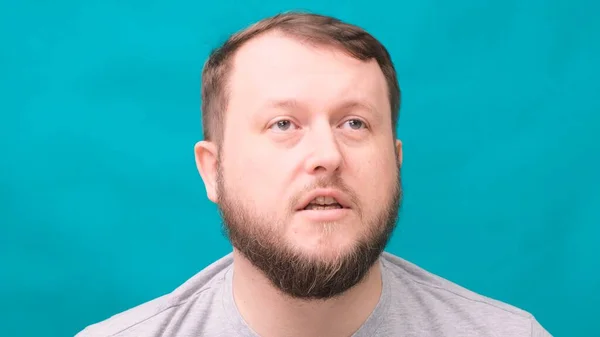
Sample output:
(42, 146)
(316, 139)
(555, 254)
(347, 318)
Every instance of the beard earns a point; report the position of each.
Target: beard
(295, 273)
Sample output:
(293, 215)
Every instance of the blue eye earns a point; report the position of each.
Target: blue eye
(355, 124)
(282, 125)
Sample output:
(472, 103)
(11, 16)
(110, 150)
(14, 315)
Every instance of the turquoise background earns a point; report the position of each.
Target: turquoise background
(101, 207)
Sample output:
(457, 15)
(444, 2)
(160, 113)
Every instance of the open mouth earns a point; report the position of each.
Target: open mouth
(323, 203)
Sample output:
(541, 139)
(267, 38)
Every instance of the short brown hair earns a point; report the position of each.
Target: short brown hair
(312, 28)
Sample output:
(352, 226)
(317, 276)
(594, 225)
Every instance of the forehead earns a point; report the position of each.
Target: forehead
(276, 67)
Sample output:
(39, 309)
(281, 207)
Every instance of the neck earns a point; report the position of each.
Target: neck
(272, 314)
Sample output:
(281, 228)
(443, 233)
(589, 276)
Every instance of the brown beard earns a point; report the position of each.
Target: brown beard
(295, 274)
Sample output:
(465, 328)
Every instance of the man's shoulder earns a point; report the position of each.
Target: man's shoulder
(432, 283)
(153, 314)
(449, 302)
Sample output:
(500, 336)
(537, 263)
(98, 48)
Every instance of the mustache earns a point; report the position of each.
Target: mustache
(333, 182)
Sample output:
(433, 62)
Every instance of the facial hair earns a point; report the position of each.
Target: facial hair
(292, 272)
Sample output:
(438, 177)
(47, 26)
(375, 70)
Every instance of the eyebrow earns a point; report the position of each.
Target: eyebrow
(286, 104)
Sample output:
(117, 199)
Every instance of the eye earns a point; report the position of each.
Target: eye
(282, 125)
(355, 124)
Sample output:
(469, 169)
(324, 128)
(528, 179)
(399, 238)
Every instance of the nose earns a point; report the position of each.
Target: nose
(324, 152)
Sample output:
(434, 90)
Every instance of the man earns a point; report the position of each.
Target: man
(301, 156)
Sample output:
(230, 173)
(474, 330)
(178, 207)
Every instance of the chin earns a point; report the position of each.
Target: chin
(324, 241)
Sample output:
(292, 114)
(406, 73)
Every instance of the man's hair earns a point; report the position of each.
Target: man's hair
(312, 28)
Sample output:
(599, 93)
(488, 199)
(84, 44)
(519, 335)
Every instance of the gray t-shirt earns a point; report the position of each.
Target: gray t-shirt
(414, 302)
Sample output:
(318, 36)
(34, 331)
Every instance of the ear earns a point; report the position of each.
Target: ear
(206, 161)
(399, 150)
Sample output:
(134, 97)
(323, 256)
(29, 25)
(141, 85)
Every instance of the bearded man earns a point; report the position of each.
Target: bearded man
(301, 156)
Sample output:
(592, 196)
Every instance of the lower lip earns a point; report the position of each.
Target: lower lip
(325, 215)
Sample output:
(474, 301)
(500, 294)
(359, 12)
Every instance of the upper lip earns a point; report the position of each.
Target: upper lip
(337, 195)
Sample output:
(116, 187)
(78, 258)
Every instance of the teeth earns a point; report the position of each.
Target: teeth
(315, 207)
(324, 201)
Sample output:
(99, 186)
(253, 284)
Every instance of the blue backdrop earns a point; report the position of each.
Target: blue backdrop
(101, 207)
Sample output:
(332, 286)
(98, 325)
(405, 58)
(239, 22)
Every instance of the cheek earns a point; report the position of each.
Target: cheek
(376, 176)
(258, 179)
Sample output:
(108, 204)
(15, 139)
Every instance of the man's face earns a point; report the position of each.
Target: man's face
(308, 174)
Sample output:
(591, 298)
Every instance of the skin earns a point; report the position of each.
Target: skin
(299, 114)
